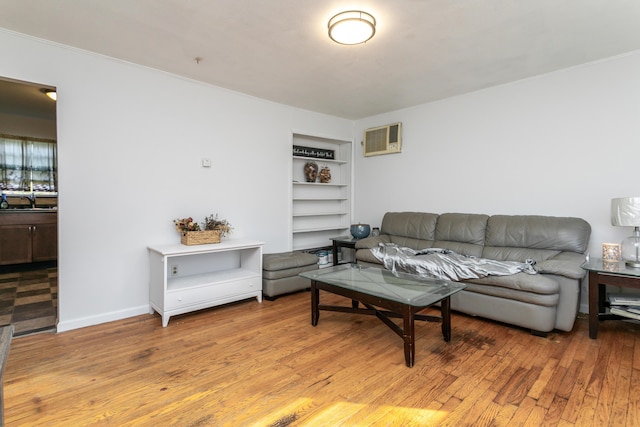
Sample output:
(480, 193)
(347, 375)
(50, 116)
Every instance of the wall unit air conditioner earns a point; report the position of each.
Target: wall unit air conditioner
(383, 140)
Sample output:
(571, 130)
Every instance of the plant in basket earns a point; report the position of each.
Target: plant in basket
(213, 223)
(210, 231)
(186, 224)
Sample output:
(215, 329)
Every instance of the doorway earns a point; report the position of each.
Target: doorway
(28, 256)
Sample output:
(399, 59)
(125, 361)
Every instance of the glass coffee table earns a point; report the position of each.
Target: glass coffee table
(400, 295)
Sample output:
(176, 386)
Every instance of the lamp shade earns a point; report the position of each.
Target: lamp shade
(625, 211)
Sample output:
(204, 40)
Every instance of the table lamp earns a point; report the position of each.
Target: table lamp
(625, 212)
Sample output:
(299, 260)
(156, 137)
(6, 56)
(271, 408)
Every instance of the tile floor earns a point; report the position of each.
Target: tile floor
(29, 298)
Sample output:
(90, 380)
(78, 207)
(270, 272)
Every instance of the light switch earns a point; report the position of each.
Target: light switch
(206, 163)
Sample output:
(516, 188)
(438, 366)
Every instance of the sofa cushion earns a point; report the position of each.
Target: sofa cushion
(289, 272)
(464, 228)
(534, 283)
(531, 289)
(408, 242)
(538, 232)
(461, 233)
(545, 300)
(415, 225)
(517, 254)
(286, 260)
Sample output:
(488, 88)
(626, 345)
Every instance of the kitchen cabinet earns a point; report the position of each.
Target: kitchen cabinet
(28, 236)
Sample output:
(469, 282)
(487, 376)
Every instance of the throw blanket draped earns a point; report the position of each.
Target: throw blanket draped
(445, 264)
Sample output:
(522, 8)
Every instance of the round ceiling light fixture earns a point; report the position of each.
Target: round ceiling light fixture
(352, 27)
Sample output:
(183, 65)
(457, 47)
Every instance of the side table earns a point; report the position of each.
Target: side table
(185, 278)
(342, 242)
(600, 275)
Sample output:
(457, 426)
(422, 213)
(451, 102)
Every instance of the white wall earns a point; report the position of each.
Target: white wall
(130, 143)
(561, 144)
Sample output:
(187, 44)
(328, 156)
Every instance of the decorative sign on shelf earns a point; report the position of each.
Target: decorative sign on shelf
(315, 153)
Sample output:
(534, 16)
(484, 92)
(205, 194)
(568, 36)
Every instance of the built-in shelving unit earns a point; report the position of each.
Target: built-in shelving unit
(320, 210)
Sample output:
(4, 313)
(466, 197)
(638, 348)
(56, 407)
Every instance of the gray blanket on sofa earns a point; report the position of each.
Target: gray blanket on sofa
(445, 264)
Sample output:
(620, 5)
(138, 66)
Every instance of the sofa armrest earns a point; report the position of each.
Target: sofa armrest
(372, 242)
(564, 264)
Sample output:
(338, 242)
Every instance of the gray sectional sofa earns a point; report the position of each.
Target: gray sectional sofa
(540, 302)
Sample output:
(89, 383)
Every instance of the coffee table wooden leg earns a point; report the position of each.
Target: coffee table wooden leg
(409, 337)
(445, 311)
(315, 297)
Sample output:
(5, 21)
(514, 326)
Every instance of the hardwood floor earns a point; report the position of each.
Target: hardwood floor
(252, 364)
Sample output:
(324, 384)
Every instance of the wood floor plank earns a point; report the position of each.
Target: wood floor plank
(587, 413)
(536, 416)
(504, 415)
(522, 413)
(265, 365)
(579, 389)
(636, 352)
(550, 391)
(604, 408)
(546, 375)
(572, 350)
(566, 385)
(553, 415)
(623, 386)
(633, 404)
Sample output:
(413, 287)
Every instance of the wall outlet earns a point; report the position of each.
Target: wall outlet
(174, 270)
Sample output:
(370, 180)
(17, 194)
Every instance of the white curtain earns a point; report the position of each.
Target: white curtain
(27, 161)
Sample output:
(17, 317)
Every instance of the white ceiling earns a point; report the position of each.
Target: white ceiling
(424, 50)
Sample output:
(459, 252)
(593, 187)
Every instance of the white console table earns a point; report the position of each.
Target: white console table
(188, 278)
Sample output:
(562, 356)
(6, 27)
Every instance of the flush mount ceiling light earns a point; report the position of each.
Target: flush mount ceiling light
(352, 27)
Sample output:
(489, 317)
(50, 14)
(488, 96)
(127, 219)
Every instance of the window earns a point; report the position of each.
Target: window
(28, 164)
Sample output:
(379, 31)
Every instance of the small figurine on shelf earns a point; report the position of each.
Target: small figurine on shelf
(311, 171)
(325, 175)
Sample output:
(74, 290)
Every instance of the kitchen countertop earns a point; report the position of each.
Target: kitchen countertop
(27, 210)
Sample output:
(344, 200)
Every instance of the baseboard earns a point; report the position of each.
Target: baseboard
(584, 308)
(69, 325)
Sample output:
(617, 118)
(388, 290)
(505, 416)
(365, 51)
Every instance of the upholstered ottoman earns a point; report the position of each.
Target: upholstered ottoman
(280, 272)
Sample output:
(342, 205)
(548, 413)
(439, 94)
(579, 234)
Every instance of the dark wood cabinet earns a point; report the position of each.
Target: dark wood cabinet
(27, 236)
(44, 240)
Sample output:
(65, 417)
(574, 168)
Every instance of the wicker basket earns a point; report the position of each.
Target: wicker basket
(200, 237)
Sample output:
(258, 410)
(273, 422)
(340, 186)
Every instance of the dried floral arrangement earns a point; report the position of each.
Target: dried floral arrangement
(211, 222)
(186, 224)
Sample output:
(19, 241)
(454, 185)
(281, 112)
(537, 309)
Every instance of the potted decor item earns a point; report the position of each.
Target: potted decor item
(360, 231)
(311, 171)
(325, 174)
(211, 230)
